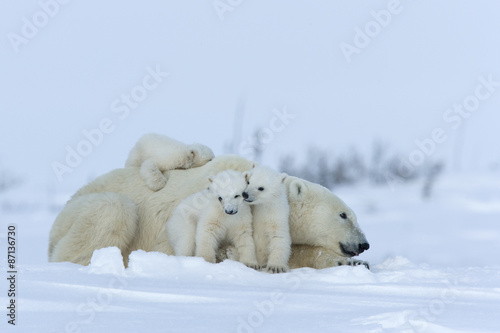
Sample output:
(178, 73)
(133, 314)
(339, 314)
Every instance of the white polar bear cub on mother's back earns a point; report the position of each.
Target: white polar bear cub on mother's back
(205, 220)
(155, 153)
(267, 193)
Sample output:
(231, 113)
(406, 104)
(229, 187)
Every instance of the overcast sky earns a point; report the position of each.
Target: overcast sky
(332, 74)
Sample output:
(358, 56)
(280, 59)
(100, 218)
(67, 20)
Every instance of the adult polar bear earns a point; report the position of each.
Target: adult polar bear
(118, 209)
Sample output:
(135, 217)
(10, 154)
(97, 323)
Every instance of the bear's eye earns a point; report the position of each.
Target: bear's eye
(220, 199)
(343, 215)
(261, 189)
(236, 196)
(248, 183)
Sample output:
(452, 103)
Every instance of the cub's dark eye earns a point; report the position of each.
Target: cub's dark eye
(343, 215)
(261, 189)
(236, 196)
(248, 183)
(220, 199)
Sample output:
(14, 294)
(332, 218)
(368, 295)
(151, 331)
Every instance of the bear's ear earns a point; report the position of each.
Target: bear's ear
(254, 165)
(297, 189)
(192, 153)
(283, 177)
(246, 174)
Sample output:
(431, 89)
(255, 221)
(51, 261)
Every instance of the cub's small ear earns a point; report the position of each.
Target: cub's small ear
(246, 174)
(254, 164)
(297, 189)
(192, 153)
(283, 177)
(211, 179)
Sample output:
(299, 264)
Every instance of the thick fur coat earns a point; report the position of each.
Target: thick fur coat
(118, 209)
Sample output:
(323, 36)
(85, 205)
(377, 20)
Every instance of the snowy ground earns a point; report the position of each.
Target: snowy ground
(68, 66)
(434, 263)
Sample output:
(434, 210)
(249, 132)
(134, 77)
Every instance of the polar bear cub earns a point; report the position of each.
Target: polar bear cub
(155, 153)
(267, 194)
(214, 216)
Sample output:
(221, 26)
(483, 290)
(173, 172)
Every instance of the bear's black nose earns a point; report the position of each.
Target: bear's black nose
(231, 212)
(362, 247)
(245, 195)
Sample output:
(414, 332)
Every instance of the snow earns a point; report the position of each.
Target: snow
(107, 260)
(433, 269)
(434, 263)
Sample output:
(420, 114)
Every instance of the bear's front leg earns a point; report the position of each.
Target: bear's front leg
(245, 246)
(319, 257)
(352, 262)
(205, 250)
(207, 239)
(279, 250)
(152, 175)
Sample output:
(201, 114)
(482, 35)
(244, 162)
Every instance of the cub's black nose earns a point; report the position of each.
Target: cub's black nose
(245, 195)
(362, 247)
(231, 212)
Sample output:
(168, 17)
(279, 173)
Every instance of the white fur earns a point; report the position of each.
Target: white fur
(76, 242)
(155, 153)
(205, 220)
(266, 192)
(118, 209)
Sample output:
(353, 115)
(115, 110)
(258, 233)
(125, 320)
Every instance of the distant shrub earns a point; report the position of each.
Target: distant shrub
(8, 180)
(381, 168)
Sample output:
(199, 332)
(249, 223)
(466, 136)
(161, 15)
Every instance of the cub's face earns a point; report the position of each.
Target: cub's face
(263, 185)
(228, 186)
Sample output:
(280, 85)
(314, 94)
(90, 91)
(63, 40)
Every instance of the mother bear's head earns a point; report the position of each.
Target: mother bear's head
(318, 217)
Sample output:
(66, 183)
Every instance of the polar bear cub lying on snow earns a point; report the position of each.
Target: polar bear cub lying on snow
(267, 194)
(155, 153)
(205, 220)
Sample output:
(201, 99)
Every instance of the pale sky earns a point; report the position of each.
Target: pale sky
(345, 73)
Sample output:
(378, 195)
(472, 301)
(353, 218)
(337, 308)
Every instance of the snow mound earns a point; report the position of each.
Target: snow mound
(394, 263)
(341, 274)
(160, 265)
(107, 260)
